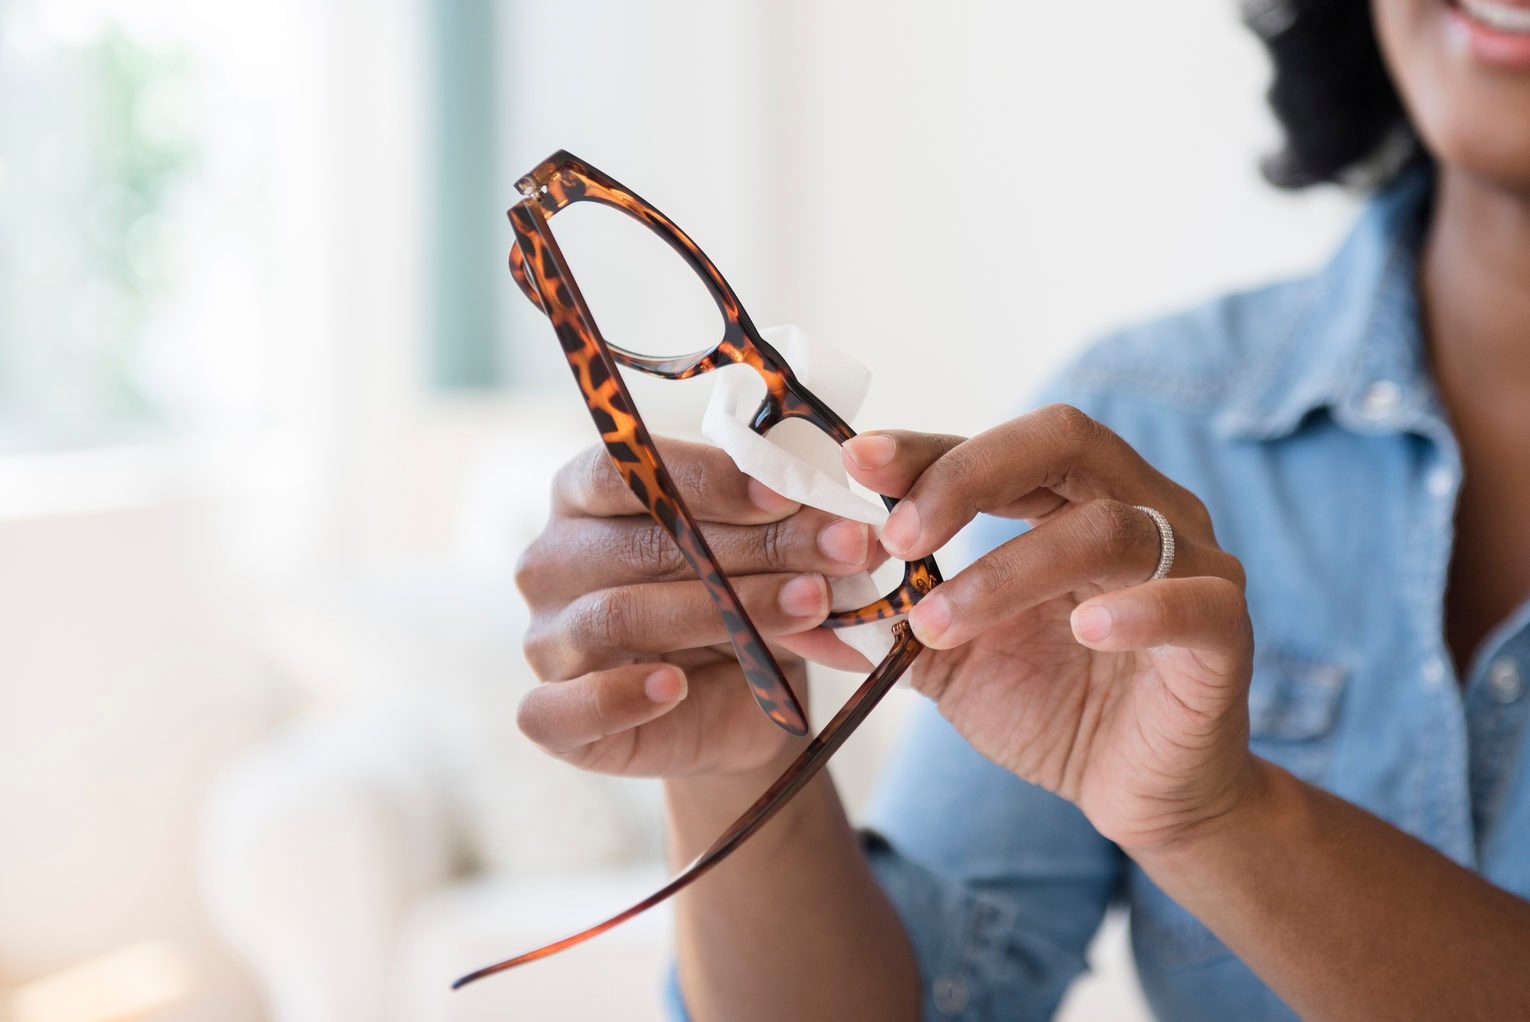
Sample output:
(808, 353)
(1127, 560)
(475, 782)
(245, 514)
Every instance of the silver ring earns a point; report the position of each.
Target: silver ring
(1165, 542)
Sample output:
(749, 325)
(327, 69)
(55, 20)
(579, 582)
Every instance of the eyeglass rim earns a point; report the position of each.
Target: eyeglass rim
(554, 185)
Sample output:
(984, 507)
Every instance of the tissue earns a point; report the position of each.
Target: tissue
(801, 471)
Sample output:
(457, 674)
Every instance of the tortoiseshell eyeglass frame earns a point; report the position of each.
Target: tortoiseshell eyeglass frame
(539, 268)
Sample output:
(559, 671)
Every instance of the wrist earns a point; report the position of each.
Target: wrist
(722, 794)
(699, 807)
(1243, 802)
(725, 784)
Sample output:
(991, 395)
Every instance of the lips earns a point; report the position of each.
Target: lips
(1498, 15)
(1495, 32)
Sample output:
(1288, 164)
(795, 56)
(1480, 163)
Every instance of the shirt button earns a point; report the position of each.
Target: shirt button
(1380, 399)
(1440, 482)
(1504, 681)
(950, 995)
(1434, 671)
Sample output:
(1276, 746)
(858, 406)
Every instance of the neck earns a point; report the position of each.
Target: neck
(1474, 280)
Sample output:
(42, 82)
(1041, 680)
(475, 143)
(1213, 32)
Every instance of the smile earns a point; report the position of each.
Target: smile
(1497, 14)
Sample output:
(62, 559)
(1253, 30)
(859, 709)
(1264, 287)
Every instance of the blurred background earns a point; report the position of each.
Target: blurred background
(274, 425)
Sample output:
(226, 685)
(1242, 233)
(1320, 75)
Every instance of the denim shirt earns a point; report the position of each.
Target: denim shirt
(1304, 416)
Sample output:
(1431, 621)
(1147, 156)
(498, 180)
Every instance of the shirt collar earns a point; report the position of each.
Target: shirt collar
(1355, 347)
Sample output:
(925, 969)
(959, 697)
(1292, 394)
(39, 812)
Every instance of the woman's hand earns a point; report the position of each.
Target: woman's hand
(1053, 654)
(642, 680)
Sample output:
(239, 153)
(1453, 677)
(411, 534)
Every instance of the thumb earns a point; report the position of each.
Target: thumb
(1206, 616)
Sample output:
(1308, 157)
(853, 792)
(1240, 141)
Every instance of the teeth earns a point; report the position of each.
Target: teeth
(1501, 16)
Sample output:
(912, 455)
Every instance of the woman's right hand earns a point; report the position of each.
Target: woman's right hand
(638, 675)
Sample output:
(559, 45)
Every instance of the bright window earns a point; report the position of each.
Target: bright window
(148, 280)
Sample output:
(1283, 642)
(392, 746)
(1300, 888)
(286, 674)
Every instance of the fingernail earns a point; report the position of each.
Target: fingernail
(871, 451)
(768, 500)
(930, 618)
(666, 685)
(805, 596)
(1093, 623)
(845, 541)
(901, 530)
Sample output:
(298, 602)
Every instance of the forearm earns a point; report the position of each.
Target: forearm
(794, 925)
(1347, 917)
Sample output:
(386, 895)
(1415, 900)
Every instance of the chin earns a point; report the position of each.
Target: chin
(1463, 69)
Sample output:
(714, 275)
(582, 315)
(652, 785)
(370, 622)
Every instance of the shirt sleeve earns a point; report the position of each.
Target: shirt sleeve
(1000, 885)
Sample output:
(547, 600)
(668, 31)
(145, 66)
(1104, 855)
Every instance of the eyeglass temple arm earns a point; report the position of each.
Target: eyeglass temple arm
(802, 770)
(638, 461)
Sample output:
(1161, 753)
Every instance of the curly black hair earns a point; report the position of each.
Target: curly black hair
(1332, 94)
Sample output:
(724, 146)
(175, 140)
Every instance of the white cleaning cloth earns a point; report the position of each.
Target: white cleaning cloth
(790, 463)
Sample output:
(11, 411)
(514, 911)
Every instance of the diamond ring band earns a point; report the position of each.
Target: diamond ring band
(1165, 542)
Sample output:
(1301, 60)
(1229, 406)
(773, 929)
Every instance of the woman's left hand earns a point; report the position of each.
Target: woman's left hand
(1054, 655)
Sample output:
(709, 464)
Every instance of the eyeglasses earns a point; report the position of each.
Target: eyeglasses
(539, 268)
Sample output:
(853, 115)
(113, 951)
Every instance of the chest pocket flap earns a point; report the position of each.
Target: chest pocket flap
(1293, 707)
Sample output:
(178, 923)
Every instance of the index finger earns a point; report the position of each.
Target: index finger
(1023, 467)
(710, 484)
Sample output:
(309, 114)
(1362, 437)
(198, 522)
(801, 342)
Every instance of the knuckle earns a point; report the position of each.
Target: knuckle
(958, 462)
(1174, 614)
(1223, 600)
(574, 474)
(527, 571)
(1199, 514)
(988, 577)
(1223, 591)
(693, 472)
(1116, 528)
(606, 620)
(947, 480)
(539, 649)
(529, 719)
(536, 566)
(689, 474)
(1162, 605)
(564, 480)
(1233, 571)
(593, 473)
(1072, 423)
(599, 704)
(649, 551)
(775, 546)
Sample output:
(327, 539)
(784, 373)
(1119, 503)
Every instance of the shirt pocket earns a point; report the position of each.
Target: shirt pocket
(1293, 707)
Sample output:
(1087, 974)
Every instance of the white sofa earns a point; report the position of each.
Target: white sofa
(367, 854)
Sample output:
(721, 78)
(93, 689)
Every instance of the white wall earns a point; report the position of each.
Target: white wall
(985, 177)
(926, 184)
